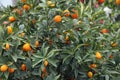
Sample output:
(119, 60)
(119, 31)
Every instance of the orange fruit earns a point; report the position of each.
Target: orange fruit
(37, 44)
(23, 1)
(46, 63)
(66, 13)
(12, 19)
(9, 30)
(111, 56)
(98, 55)
(67, 42)
(22, 34)
(100, 1)
(93, 66)
(67, 38)
(26, 7)
(4, 68)
(44, 70)
(114, 44)
(7, 46)
(74, 16)
(26, 47)
(57, 18)
(104, 31)
(117, 2)
(19, 11)
(23, 67)
(11, 70)
(50, 4)
(90, 74)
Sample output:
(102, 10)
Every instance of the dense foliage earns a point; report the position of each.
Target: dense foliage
(60, 40)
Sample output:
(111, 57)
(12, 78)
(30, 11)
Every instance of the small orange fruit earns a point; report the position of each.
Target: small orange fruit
(9, 30)
(11, 70)
(67, 42)
(117, 2)
(19, 11)
(26, 7)
(67, 38)
(23, 67)
(98, 55)
(37, 44)
(74, 16)
(44, 70)
(93, 66)
(46, 63)
(66, 13)
(50, 4)
(104, 31)
(100, 1)
(3, 68)
(7, 46)
(23, 1)
(90, 74)
(12, 18)
(114, 44)
(111, 56)
(26, 47)
(57, 18)
(22, 34)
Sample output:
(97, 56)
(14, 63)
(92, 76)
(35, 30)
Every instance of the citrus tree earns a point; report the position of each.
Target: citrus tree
(60, 40)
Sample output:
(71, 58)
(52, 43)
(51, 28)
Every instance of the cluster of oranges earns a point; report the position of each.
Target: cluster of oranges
(44, 70)
(66, 13)
(5, 68)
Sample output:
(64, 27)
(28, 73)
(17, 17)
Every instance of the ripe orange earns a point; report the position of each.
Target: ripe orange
(74, 16)
(104, 31)
(37, 44)
(9, 30)
(57, 18)
(98, 55)
(26, 47)
(7, 46)
(3, 68)
(46, 63)
(117, 2)
(90, 74)
(23, 67)
(93, 66)
(66, 13)
(12, 19)
(100, 1)
(11, 70)
(23, 1)
(26, 7)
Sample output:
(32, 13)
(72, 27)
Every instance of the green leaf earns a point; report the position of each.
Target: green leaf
(36, 62)
(14, 57)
